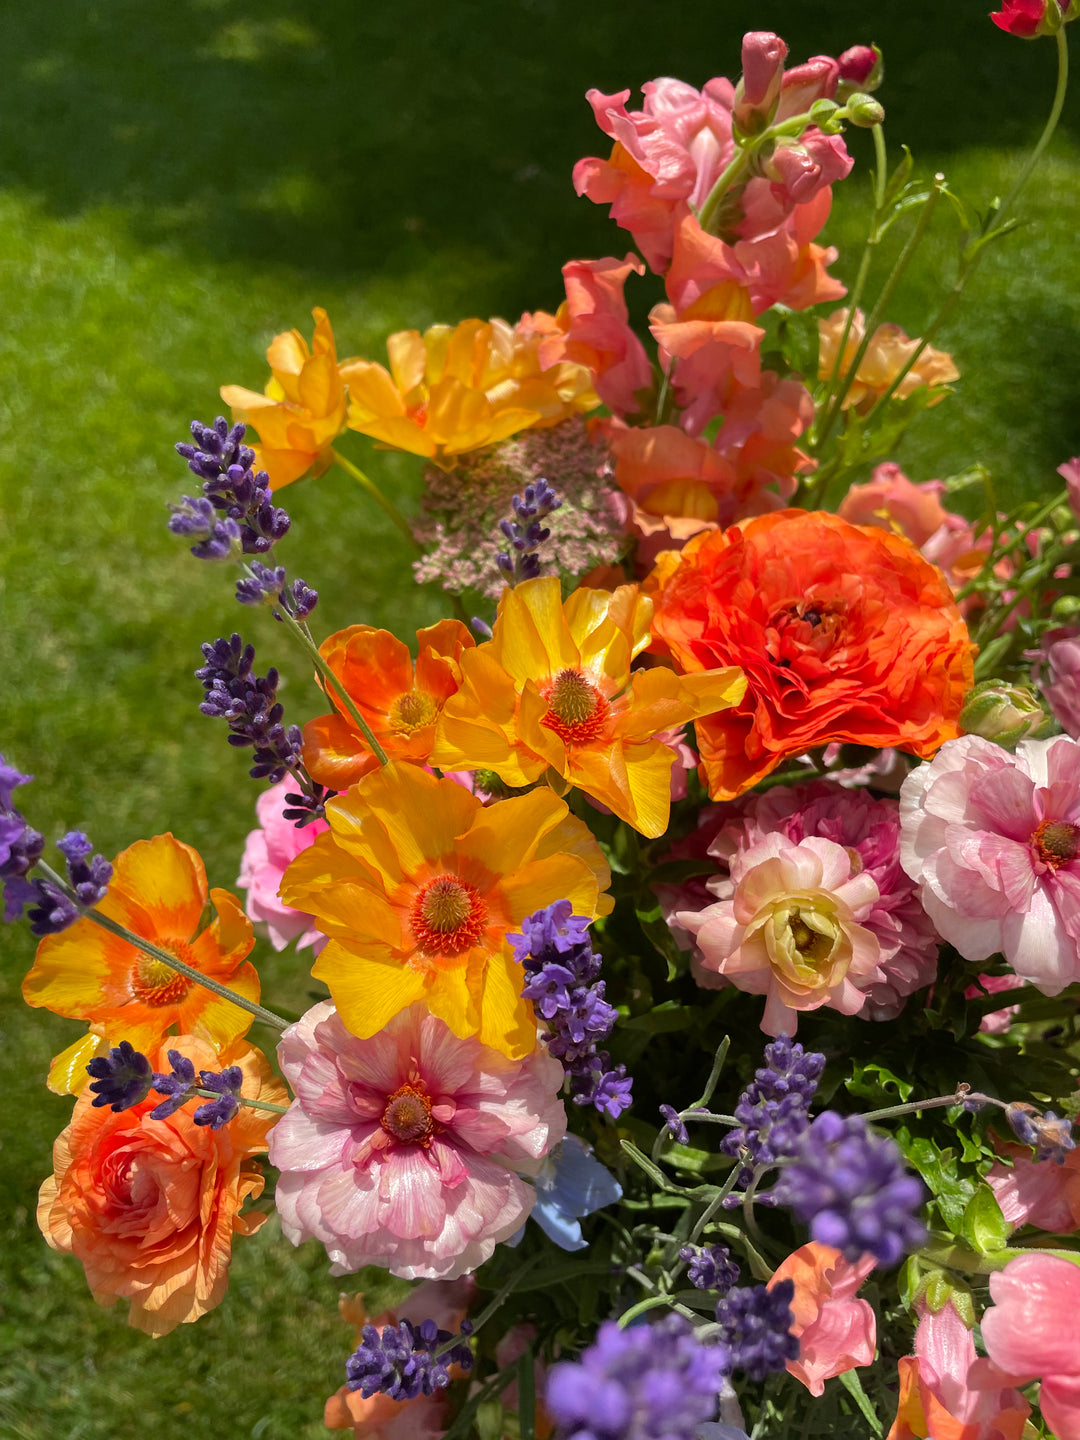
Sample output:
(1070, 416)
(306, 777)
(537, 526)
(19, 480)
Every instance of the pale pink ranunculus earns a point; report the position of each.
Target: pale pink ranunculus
(836, 1331)
(993, 841)
(1056, 671)
(1037, 1192)
(792, 930)
(404, 1150)
(268, 852)
(1031, 1333)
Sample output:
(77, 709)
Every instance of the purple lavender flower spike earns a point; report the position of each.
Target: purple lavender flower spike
(227, 1085)
(52, 911)
(525, 532)
(122, 1078)
(773, 1110)
(675, 1126)
(20, 845)
(849, 1185)
(1050, 1137)
(250, 523)
(89, 878)
(249, 705)
(10, 780)
(710, 1267)
(633, 1384)
(264, 586)
(178, 1085)
(400, 1362)
(755, 1329)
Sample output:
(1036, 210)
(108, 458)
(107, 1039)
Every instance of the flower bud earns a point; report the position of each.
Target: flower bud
(1002, 712)
(1070, 473)
(1028, 19)
(756, 94)
(816, 80)
(861, 68)
(865, 111)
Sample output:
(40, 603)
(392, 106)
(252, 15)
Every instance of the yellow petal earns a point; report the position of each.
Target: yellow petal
(532, 640)
(505, 836)
(556, 877)
(368, 989)
(402, 820)
(507, 1023)
(67, 1073)
(169, 880)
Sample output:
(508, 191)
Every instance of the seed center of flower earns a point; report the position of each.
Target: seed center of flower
(412, 710)
(448, 916)
(576, 710)
(1056, 842)
(407, 1117)
(156, 983)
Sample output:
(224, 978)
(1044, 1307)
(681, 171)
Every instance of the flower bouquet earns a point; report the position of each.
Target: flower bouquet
(732, 734)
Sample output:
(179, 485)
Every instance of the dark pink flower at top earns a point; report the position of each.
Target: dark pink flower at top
(598, 332)
(1027, 18)
(268, 852)
(1030, 1333)
(403, 1150)
(857, 67)
(993, 841)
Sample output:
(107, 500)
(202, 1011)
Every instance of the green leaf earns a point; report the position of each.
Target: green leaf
(656, 930)
(853, 1385)
(663, 1018)
(984, 1227)
(900, 176)
(878, 1083)
(951, 1191)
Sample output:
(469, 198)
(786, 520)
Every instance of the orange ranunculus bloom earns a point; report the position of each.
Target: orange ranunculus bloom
(459, 388)
(845, 633)
(150, 1206)
(889, 351)
(417, 884)
(303, 409)
(159, 891)
(553, 688)
(399, 700)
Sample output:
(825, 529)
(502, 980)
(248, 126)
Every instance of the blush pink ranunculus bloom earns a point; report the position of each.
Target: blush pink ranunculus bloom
(268, 852)
(948, 1392)
(1030, 1333)
(404, 1150)
(993, 840)
(790, 928)
(836, 1331)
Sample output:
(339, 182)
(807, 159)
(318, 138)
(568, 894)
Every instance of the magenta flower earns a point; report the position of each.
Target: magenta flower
(268, 852)
(401, 1150)
(1056, 671)
(993, 840)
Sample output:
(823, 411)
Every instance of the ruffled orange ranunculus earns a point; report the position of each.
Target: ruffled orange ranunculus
(417, 884)
(303, 409)
(159, 891)
(399, 700)
(889, 351)
(150, 1206)
(844, 632)
(455, 389)
(553, 688)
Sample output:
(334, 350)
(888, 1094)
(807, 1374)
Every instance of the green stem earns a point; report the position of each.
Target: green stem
(913, 1107)
(252, 1104)
(490, 1309)
(156, 953)
(1050, 126)
(386, 506)
(714, 1073)
(304, 636)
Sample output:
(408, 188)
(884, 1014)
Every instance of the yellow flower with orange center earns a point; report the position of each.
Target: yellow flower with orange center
(459, 388)
(553, 690)
(889, 351)
(400, 700)
(159, 892)
(418, 884)
(303, 409)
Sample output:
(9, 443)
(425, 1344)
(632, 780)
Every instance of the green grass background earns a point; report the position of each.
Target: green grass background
(177, 183)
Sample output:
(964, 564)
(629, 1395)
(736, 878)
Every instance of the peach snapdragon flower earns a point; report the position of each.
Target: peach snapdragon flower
(836, 1331)
(553, 689)
(303, 409)
(889, 351)
(460, 388)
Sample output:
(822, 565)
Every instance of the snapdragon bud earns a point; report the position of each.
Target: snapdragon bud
(758, 91)
(865, 111)
(861, 68)
(1002, 712)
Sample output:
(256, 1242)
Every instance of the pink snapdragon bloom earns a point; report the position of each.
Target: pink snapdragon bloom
(401, 1150)
(667, 156)
(758, 91)
(799, 169)
(893, 502)
(993, 841)
(268, 852)
(1070, 473)
(1031, 1333)
(948, 1392)
(836, 1332)
(1056, 671)
(598, 332)
(869, 830)
(792, 930)
(1038, 1192)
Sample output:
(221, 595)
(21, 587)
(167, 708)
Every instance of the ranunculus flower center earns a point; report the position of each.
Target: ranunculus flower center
(1056, 842)
(407, 1117)
(802, 945)
(448, 916)
(806, 625)
(412, 710)
(576, 709)
(156, 983)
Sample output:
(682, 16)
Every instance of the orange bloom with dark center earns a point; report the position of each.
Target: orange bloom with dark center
(400, 699)
(159, 892)
(150, 1206)
(844, 633)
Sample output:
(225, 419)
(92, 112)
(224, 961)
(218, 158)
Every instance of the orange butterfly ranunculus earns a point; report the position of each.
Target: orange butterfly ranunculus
(844, 632)
(303, 409)
(417, 885)
(400, 700)
(553, 689)
(150, 1206)
(159, 892)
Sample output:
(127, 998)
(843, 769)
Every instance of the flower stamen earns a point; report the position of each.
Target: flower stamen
(448, 916)
(407, 1117)
(1056, 842)
(576, 711)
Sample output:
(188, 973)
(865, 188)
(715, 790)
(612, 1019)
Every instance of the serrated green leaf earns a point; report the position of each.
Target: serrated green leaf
(662, 1019)
(877, 1082)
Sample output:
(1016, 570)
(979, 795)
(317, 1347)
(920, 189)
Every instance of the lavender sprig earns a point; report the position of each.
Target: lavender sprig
(122, 1078)
(755, 1329)
(774, 1109)
(401, 1360)
(525, 532)
(249, 705)
(249, 523)
(263, 586)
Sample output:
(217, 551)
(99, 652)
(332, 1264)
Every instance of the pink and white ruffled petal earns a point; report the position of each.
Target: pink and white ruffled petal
(412, 1195)
(298, 1142)
(1038, 947)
